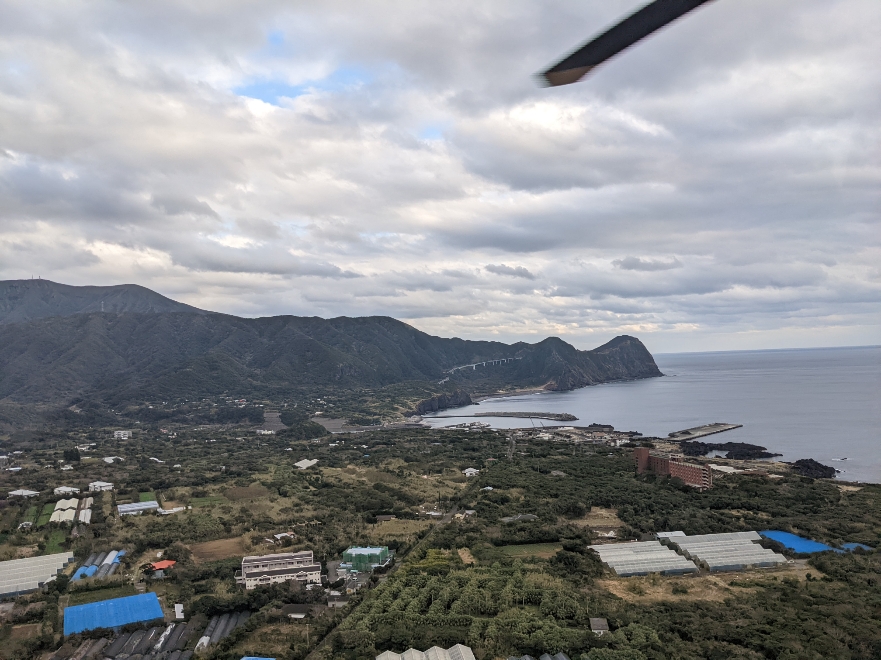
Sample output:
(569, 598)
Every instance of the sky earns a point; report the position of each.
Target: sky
(716, 187)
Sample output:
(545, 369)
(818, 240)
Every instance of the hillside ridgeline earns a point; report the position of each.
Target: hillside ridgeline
(136, 355)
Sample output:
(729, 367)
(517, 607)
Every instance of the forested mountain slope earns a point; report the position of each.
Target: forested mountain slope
(127, 357)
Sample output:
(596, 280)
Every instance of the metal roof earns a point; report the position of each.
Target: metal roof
(112, 613)
(643, 558)
(23, 575)
(137, 507)
(728, 552)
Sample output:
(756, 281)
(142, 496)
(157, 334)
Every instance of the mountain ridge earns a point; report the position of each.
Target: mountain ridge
(29, 300)
(127, 356)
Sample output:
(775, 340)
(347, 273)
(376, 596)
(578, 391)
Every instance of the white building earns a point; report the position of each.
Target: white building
(122, 435)
(306, 463)
(470, 472)
(137, 508)
(272, 569)
(23, 493)
(98, 486)
(66, 490)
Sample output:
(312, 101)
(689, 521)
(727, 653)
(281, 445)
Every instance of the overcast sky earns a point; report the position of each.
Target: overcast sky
(716, 187)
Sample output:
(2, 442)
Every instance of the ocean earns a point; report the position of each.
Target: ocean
(822, 403)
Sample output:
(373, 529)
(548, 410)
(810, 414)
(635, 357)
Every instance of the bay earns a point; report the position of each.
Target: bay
(822, 403)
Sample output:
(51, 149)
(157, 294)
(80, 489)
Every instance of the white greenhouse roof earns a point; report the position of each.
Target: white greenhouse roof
(24, 575)
(137, 507)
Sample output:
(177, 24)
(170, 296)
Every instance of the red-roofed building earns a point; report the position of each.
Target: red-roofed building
(162, 565)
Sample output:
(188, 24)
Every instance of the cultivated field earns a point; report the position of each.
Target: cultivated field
(703, 587)
(220, 549)
(539, 550)
(400, 530)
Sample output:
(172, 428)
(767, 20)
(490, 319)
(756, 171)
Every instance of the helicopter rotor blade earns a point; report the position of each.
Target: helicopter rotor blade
(632, 29)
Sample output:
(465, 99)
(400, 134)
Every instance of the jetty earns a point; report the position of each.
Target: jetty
(557, 417)
(702, 431)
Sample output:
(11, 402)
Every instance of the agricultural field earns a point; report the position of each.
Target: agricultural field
(538, 550)
(217, 550)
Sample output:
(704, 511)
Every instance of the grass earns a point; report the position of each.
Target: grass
(148, 497)
(540, 550)
(45, 514)
(53, 545)
(83, 597)
(30, 514)
(197, 502)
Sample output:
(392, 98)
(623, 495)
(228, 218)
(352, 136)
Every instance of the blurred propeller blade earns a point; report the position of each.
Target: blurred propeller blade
(650, 18)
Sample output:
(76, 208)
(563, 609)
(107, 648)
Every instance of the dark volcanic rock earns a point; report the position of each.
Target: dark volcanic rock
(736, 450)
(808, 467)
(443, 401)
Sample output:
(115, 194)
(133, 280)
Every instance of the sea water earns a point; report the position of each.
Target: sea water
(820, 403)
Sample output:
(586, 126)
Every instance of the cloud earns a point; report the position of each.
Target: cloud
(511, 271)
(181, 205)
(635, 263)
(342, 158)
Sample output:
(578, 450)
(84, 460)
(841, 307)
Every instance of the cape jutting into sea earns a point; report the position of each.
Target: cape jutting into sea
(822, 403)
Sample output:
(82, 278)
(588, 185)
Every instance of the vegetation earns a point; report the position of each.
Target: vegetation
(515, 588)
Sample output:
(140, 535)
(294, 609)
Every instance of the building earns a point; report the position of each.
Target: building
(137, 508)
(66, 490)
(23, 493)
(673, 465)
(65, 511)
(642, 558)
(122, 435)
(98, 486)
(365, 559)
(272, 569)
(298, 611)
(113, 613)
(306, 463)
(336, 600)
(457, 652)
(385, 518)
(731, 551)
(21, 576)
(599, 627)
(668, 535)
(470, 472)
(520, 517)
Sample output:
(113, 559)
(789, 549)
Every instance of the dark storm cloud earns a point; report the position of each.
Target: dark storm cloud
(719, 183)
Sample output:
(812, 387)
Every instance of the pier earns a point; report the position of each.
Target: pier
(557, 417)
(702, 431)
